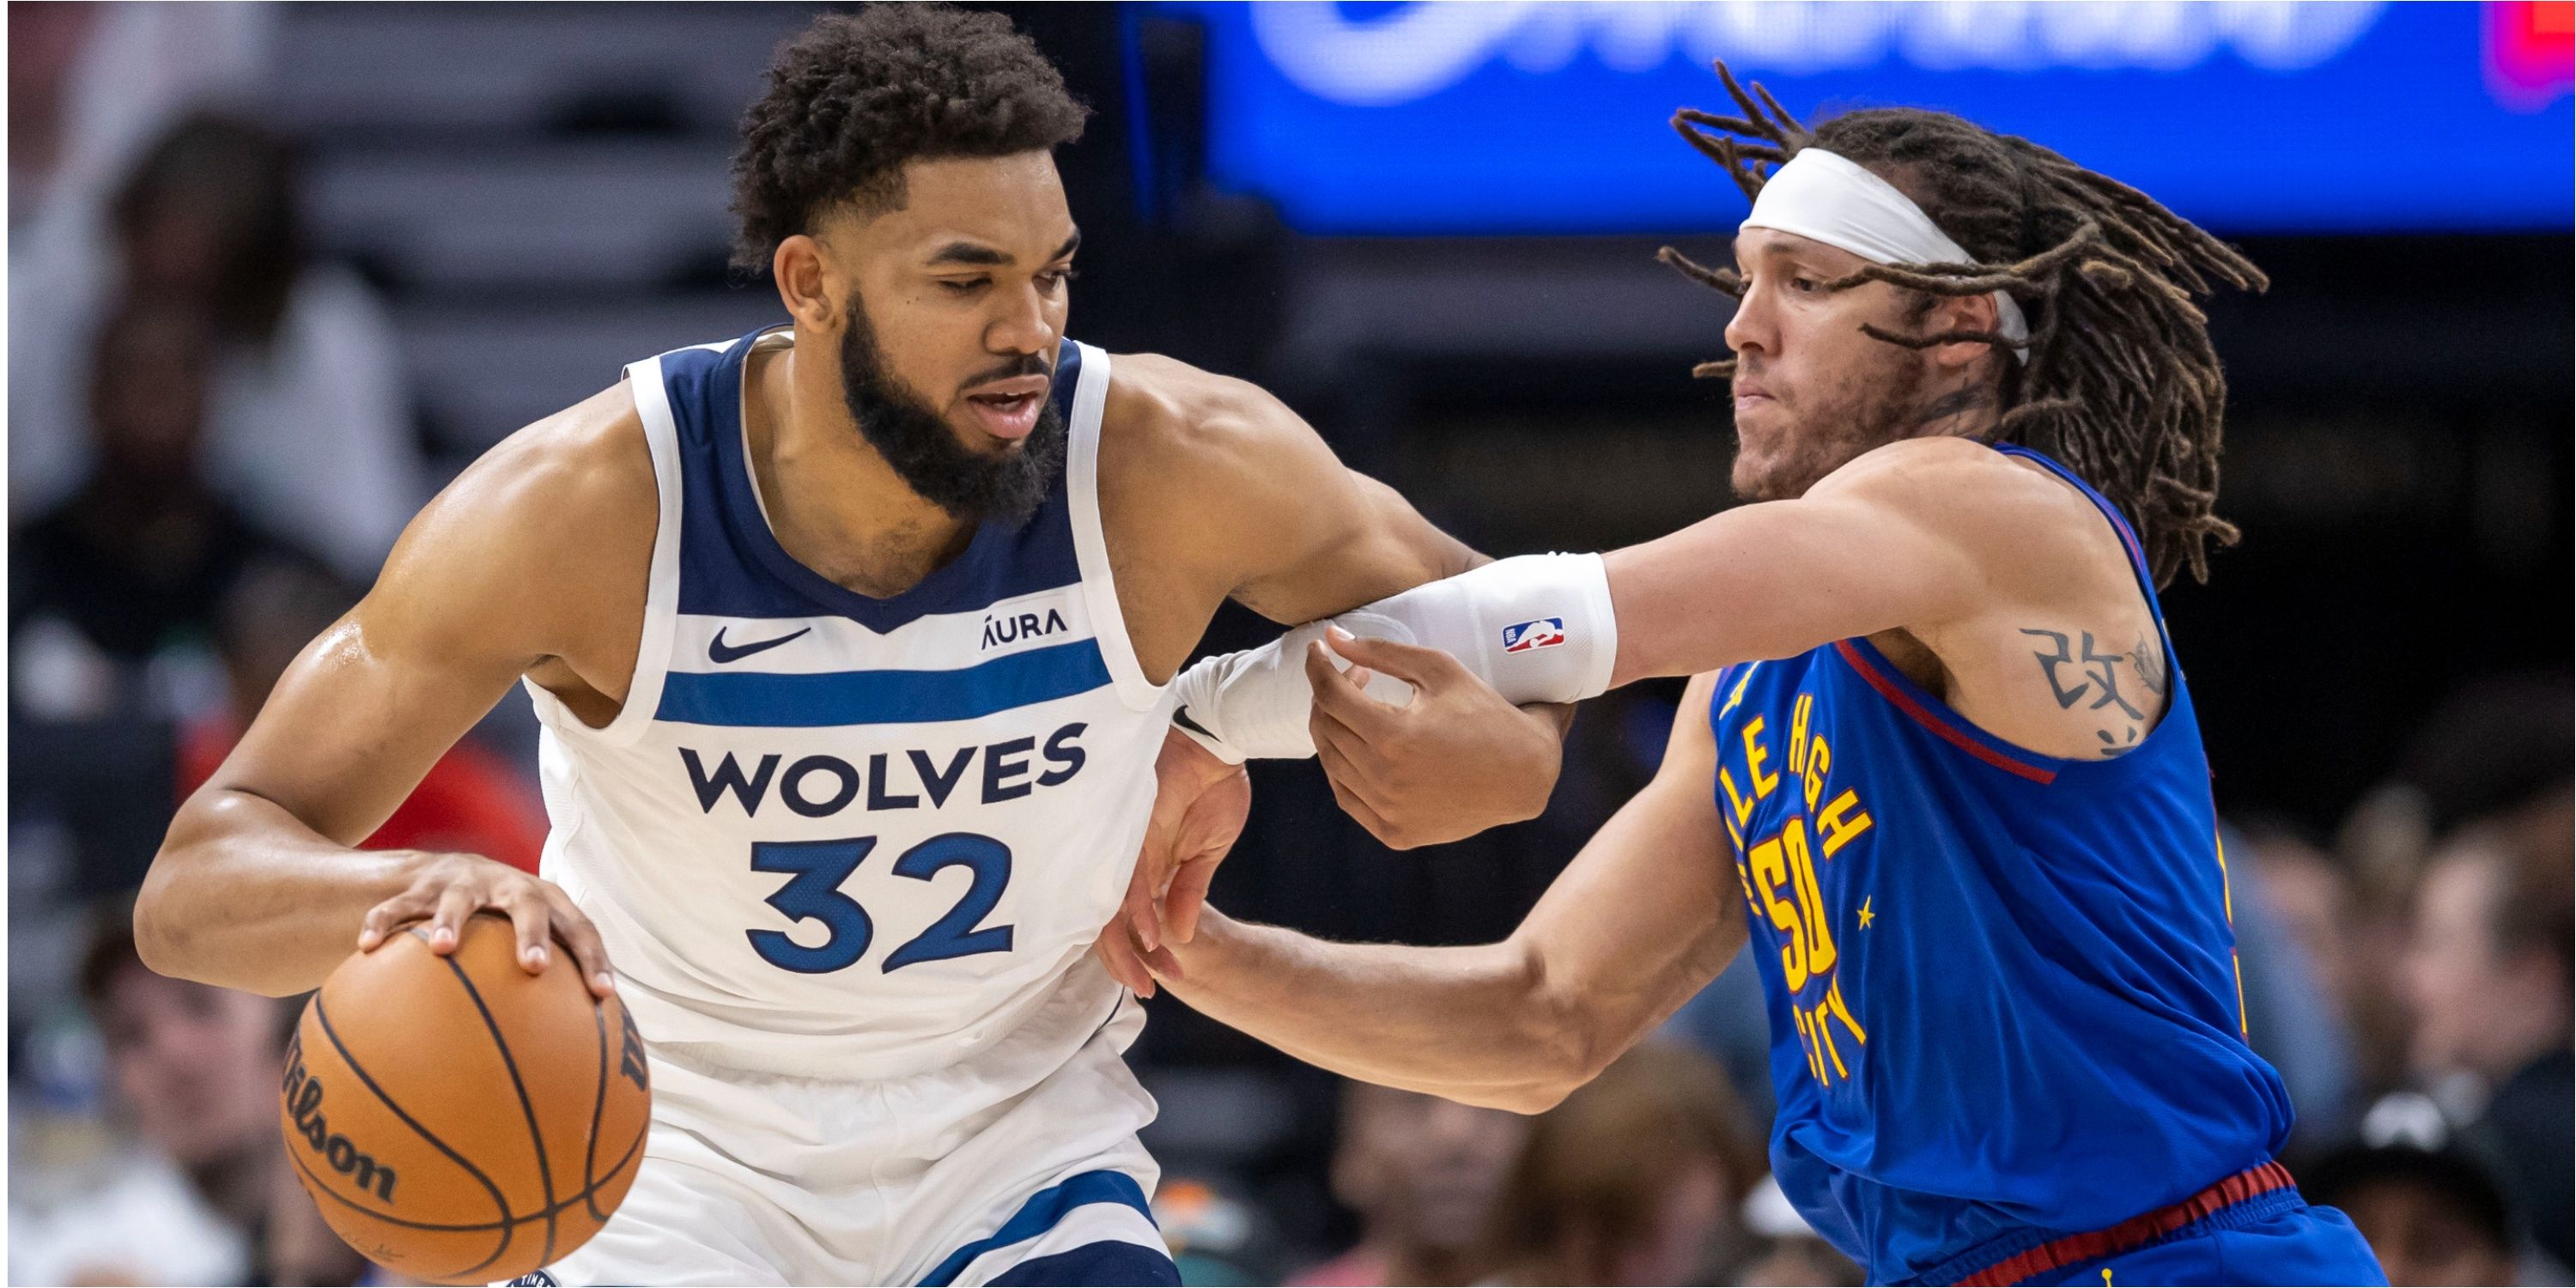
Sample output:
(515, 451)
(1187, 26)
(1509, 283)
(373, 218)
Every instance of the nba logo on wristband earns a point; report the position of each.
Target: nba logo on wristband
(1521, 637)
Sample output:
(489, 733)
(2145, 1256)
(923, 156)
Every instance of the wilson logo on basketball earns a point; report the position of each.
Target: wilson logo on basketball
(304, 1106)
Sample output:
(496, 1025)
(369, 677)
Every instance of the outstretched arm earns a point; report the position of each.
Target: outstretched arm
(1643, 918)
(258, 885)
(1903, 537)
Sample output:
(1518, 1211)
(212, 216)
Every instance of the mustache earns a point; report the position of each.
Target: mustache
(1027, 364)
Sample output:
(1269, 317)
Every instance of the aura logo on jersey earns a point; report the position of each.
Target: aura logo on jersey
(820, 785)
(1011, 628)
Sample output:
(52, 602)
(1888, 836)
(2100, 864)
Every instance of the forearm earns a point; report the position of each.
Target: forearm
(246, 896)
(1478, 1025)
(1536, 628)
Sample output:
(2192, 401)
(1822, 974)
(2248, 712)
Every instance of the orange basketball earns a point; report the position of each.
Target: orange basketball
(458, 1119)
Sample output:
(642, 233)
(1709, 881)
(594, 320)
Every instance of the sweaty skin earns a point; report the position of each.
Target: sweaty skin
(1992, 583)
(534, 563)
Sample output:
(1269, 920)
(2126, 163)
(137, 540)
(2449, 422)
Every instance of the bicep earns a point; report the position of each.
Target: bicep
(356, 722)
(1358, 542)
(1319, 538)
(1645, 916)
(1777, 578)
(369, 706)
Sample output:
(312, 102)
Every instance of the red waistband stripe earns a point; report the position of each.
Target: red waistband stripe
(2138, 1231)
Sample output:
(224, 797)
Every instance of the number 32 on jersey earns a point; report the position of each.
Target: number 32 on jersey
(817, 869)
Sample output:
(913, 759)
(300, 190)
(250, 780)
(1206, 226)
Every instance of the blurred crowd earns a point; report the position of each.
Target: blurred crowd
(212, 446)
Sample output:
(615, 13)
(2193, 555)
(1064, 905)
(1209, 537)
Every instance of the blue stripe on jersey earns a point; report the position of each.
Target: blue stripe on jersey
(1041, 1213)
(772, 700)
(731, 564)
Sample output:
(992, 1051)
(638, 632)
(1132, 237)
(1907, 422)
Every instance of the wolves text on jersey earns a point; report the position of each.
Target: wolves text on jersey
(819, 786)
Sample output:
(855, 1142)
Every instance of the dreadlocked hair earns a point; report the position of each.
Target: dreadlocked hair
(2121, 383)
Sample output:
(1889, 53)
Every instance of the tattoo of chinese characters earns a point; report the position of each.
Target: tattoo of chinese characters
(2151, 669)
(2096, 673)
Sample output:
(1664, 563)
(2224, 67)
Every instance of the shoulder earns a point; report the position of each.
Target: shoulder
(583, 471)
(1927, 471)
(1170, 414)
(543, 527)
(1214, 453)
(1966, 493)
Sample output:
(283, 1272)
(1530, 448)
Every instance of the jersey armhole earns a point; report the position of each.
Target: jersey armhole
(1090, 545)
(662, 584)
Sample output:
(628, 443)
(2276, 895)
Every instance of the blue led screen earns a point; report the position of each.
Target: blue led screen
(2246, 115)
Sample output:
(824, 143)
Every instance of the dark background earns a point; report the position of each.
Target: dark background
(537, 194)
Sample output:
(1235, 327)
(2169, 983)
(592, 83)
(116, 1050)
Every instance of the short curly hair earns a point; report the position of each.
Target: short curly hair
(857, 95)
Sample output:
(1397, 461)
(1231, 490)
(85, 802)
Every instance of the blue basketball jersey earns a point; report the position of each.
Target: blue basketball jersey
(2002, 986)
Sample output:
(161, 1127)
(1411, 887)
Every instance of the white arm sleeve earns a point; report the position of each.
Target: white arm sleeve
(1536, 627)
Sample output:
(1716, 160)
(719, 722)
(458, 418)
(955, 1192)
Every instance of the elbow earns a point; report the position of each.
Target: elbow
(158, 938)
(1566, 1042)
(1533, 1099)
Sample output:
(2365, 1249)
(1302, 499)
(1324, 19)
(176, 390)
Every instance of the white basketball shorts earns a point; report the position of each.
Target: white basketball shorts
(965, 1174)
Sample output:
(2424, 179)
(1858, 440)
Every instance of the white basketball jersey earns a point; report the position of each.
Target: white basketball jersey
(845, 837)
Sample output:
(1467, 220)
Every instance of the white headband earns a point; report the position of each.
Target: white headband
(1827, 198)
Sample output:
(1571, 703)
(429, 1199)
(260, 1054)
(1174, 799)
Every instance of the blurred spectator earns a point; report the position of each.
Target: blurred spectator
(309, 422)
(194, 1069)
(90, 85)
(2351, 943)
(2313, 898)
(2292, 915)
(135, 562)
(2488, 975)
(1729, 1021)
(2434, 1217)
(1783, 1248)
(1217, 1239)
(471, 800)
(2492, 744)
(1422, 1173)
(1635, 1179)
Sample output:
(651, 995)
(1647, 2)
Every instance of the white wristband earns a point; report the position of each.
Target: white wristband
(1539, 628)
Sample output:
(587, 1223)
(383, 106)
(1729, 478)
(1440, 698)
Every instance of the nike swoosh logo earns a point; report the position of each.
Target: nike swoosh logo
(1181, 717)
(720, 652)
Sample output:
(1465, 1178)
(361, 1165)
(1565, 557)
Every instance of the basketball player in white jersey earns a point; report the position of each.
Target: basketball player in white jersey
(850, 641)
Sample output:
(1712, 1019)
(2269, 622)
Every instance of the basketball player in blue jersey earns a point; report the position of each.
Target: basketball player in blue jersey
(850, 641)
(1937, 764)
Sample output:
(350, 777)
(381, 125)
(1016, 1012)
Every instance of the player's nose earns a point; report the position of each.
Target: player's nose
(1753, 327)
(1027, 322)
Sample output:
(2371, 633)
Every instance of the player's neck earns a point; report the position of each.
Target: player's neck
(1969, 410)
(834, 504)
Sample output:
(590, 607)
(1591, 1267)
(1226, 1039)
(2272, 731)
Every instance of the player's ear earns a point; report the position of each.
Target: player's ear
(1961, 313)
(797, 267)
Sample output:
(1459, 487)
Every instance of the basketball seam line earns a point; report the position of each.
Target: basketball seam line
(598, 1103)
(499, 1200)
(545, 1172)
(443, 1227)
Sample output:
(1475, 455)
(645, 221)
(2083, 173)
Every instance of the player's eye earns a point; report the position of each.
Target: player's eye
(963, 286)
(1804, 285)
(1055, 279)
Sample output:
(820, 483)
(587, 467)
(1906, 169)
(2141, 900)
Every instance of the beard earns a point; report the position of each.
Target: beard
(924, 452)
(1859, 412)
